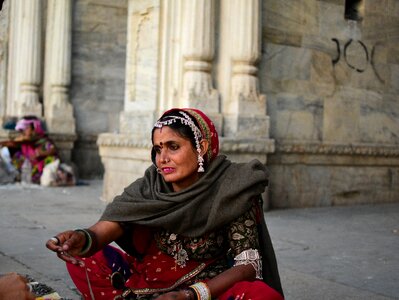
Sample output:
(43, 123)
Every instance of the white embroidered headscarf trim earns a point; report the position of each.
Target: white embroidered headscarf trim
(186, 120)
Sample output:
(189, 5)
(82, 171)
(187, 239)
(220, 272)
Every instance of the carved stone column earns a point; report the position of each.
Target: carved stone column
(198, 51)
(246, 108)
(142, 58)
(58, 109)
(4, 40)
(29, 66)
(126, 155)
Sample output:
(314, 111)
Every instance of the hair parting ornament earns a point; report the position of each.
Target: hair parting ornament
(186, 120)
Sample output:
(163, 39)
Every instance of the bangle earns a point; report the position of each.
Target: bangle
(89, 235)
(201, 291)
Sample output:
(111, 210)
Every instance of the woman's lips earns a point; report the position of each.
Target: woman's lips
(167, 170)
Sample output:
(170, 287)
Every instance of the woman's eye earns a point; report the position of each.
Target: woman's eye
(174, 147)
(157, 150)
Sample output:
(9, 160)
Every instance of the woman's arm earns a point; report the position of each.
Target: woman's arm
(217, 285)
(9, 143)
(228, 278)
(105, 232)
(15, 142)
(45, 147)
(51, 150)
(84, 242)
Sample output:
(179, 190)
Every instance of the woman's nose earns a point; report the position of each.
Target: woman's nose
(164, 157)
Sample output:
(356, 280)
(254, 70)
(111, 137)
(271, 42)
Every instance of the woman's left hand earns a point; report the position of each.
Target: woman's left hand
(176, 295)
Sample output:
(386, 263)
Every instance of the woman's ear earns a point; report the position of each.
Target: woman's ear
(204, 144)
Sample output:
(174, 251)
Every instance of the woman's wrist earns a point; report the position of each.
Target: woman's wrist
(189, 294)
(90, 239)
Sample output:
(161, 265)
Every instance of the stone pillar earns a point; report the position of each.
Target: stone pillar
(4, 40)
(58, 109)
(245, 111)
(198, 51)
(29, 66)
(12, 90)
(126, 155)
(142, 58)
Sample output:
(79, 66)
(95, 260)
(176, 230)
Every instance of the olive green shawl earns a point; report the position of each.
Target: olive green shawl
(222, 194)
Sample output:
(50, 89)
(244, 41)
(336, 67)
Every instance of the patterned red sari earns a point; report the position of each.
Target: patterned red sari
(165, 262)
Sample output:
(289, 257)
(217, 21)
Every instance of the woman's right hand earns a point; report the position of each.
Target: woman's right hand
(67, 245)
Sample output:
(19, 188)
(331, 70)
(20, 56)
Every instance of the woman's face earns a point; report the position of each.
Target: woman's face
(176, 158)
(28, 132)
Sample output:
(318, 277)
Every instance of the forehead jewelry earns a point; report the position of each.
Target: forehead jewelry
(186, 120)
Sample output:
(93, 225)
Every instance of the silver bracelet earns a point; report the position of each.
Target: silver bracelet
(202, 291)
(250, 257)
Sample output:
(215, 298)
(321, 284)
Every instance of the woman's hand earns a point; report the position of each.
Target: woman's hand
(70, 243)
(67, 244)
(13, 287)
(175, 295)
(43, 153)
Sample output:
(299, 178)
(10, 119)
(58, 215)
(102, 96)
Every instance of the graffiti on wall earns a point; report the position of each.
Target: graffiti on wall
(367, 55)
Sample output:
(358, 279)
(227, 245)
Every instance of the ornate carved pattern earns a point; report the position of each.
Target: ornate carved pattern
(227, 145)
(268, 146)
(121, 140)
(337, 149)
(242, 146)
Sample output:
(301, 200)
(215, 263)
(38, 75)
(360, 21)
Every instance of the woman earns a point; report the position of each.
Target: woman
(192, 227)
(32, 145)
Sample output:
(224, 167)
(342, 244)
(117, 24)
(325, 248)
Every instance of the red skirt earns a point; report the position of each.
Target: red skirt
(94, 281)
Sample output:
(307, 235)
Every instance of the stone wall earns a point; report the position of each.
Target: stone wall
(98, 76)
(332, 88)
(4, 21)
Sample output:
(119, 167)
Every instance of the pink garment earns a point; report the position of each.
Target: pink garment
(24, 123)
(29, 148)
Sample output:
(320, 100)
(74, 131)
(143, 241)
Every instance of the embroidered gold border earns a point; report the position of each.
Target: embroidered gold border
(147, 291)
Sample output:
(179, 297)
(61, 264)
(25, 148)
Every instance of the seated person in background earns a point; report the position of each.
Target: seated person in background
(192, 227)
(31, 144)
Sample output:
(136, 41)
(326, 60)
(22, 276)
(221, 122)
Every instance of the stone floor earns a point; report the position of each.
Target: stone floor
(323, 253)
